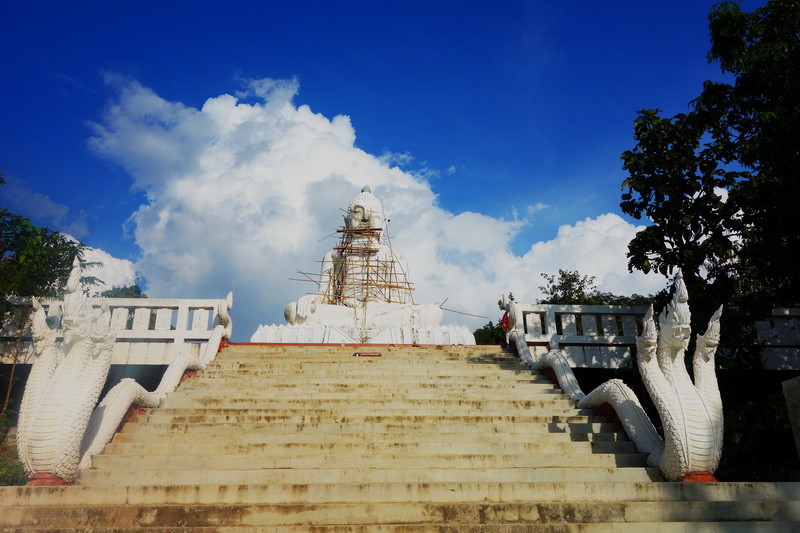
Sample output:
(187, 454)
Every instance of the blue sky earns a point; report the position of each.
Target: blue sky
(505, 117)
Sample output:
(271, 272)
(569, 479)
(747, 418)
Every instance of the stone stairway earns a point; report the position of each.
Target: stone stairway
(310, 438)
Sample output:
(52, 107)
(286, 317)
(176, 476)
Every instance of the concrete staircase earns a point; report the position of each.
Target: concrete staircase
(310, 438)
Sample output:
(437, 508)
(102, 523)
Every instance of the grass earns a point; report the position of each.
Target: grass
(11, 471)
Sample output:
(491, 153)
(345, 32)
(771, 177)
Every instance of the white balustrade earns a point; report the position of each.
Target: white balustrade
(149, 330)
(594, 336)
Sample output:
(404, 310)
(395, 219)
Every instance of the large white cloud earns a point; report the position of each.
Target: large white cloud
(241, 192)
(113, 272)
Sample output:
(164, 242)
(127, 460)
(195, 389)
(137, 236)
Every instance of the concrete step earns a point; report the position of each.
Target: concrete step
(228, 379)
(450, 513)
(382, 388)
(493, 491)
(376, 388)
(387, 360)
(359, 412)
(412, 367)
(475, 357)
(447, 404)
(255, 397)
(292, 365)
(191, 460)
(257, 419)
(636, 527)
(351, 448)
(388, 427)
(398, 368)
(429, 474)
(366, 438)
(427, 360)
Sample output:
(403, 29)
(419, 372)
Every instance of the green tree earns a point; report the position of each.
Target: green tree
(131, 291)
(719, 182)
(570, 288)
(720, 186)
(34, 262)
(490, 334)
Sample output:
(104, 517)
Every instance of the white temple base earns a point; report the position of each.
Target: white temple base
(320, 334)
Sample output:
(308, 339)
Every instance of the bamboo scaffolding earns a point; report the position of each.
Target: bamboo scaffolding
(360, 274)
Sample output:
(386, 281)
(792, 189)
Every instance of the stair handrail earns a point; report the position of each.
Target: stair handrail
(58, 423)
(109, 413)
(691, 413)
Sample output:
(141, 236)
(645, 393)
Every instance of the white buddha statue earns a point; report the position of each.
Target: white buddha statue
(363, 282)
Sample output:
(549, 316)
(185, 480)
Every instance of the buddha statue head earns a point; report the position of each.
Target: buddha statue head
(365, 211)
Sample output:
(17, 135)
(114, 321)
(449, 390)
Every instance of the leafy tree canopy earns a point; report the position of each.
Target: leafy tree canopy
(570, 288)
(719, 182)
(490, 334)
(131, 291)
(34, 261)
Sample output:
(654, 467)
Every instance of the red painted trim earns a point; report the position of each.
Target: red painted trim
(133, 414)
(186, 375)
(46, 479)
(699, 477)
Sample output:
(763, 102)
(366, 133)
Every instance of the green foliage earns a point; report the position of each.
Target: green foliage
(490, 334)
(570, 288)
(34, 262)
(676, 179)
(11, 471)
(131, 291)
(719, 182)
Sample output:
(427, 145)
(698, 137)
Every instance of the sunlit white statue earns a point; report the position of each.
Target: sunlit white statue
(363, 282)
(363, 292)
(64, 384)
(59, 428)
(690, 412)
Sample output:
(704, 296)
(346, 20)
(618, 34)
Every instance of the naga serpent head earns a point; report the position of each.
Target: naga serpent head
(646, 342)
(675, 321)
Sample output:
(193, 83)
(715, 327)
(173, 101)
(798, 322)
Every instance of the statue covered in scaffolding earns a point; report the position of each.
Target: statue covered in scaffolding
(363, 282)
(363, 295)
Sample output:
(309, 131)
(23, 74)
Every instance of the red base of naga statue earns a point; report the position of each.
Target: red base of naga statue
(46, 479)
(699, 477)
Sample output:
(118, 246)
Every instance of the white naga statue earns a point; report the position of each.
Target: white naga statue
(363, 282)
(363, 293)
(690, 412)
(59, 428)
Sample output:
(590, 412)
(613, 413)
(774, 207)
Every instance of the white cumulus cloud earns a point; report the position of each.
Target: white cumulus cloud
(242, 191)
(535, 208)
(113, 272)
(109, 270)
